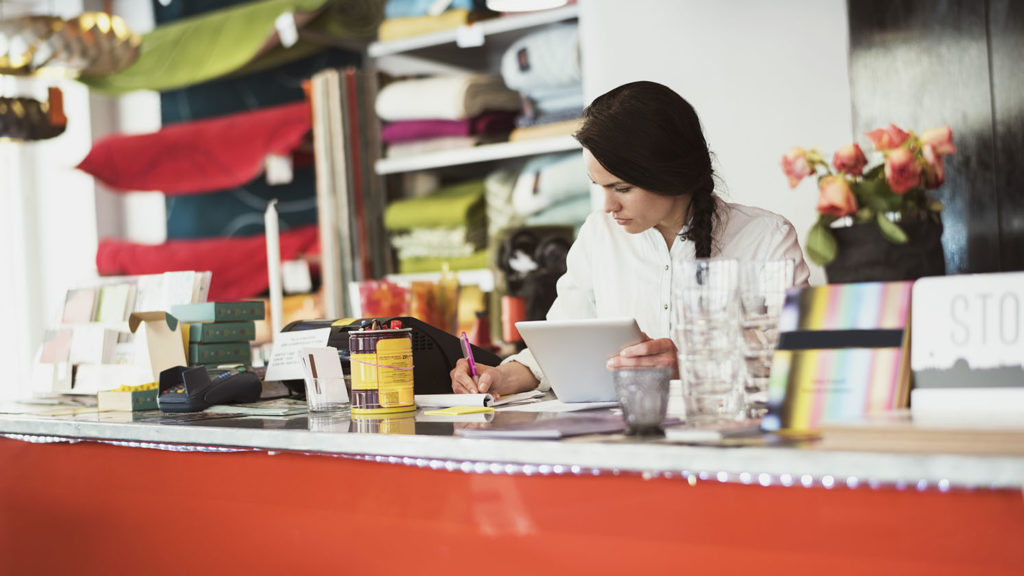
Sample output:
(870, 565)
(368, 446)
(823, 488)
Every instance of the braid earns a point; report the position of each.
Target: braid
(702, 222)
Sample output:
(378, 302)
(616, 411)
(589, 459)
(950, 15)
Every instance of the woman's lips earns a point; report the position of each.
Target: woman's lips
(621, 221)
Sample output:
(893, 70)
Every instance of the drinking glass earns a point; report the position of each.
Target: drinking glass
(642, 392)
(763, 286)
(706, 328)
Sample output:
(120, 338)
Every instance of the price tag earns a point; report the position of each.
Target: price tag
(469, 36)
(278, 169)
(287, 31)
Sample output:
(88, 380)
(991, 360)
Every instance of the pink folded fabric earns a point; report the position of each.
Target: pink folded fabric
(239, 264)
(202, 156)
(486, 123)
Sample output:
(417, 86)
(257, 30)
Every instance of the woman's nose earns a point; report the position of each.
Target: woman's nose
(610, 203)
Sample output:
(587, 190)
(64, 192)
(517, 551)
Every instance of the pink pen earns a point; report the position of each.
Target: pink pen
(467, 353)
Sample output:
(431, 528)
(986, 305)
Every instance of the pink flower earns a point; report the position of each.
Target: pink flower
(934, 171)
(835, 197)
(941, 139)
(902, 171)
(850, 160)
(796, 166)
(888, 138)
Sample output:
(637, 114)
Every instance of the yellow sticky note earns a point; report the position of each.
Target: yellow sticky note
(459, 410)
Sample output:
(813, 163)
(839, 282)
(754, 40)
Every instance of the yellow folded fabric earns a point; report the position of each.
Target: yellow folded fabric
(551, 130)
(397, 28)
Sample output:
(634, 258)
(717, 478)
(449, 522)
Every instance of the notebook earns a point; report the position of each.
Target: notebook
(573, 354)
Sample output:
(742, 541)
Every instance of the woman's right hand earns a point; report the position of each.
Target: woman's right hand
(463, 382)
(494, 380)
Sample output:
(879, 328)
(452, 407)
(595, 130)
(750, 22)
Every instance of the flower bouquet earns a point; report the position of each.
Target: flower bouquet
(891, 191)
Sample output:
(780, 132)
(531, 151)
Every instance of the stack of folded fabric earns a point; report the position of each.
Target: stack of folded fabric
(444, 112)
(406, 18)
(446, 226)
(553, 189)
(544, 67)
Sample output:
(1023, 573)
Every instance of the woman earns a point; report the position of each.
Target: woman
(643, 145)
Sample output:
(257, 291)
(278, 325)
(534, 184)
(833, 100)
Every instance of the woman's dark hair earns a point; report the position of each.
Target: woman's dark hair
(650, 137)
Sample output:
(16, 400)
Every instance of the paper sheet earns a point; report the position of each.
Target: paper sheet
(557, 406)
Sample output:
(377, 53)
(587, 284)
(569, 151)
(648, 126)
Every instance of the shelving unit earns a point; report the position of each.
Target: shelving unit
(474, 48)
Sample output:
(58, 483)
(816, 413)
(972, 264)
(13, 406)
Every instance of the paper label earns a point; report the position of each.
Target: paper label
(279, 169)
(287, 31)
(284, 359)
(469, 36)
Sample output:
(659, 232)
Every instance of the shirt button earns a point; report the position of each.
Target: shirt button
(666, 306)
(666, 266)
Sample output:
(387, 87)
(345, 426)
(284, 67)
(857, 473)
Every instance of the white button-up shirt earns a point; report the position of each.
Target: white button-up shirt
(613, 274)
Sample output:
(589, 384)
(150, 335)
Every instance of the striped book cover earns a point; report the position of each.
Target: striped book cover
(843, 353)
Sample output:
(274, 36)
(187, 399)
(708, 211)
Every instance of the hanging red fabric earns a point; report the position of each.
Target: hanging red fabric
(201, 156)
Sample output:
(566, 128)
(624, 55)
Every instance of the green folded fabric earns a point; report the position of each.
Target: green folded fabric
(475, 261)
(456, 205)
(238, 39)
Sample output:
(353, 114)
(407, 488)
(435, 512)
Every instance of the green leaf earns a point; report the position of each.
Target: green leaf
(936, 206)
(821, 245)
(864, 214)
(873, 173)
(891, 231)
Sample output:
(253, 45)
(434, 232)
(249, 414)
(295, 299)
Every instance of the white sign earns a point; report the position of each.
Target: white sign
(974, 321)
(284, 360)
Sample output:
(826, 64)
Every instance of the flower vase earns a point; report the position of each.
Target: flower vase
(864, 255)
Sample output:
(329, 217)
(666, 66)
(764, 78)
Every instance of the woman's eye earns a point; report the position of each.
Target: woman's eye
(623, 189)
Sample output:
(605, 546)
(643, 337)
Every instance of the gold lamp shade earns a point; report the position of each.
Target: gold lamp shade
(25, 119)
(94, 43)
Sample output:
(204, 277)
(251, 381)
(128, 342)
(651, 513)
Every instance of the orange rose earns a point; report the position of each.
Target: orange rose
(902, 170)
(796, 166)
(941, 139)
(887, 138)
(835, 197)
(850, 160)
(934, 171)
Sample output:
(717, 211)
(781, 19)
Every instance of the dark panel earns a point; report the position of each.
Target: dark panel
(922, 64)
(1006, 33)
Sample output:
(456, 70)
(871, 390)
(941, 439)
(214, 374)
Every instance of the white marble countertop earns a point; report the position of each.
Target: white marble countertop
(435, 447)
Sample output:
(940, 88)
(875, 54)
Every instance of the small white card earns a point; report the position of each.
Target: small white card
(284, 361)
(295, 277)
(278, 169)
(322, 363)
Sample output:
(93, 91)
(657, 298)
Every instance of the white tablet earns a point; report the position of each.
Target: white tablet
(573, 354)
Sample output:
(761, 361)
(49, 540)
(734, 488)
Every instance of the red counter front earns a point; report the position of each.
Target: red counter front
(94, 508)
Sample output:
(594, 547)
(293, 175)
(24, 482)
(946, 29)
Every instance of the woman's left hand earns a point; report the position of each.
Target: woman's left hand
(650, 352)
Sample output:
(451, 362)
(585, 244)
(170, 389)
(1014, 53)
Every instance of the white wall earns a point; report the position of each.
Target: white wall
(763, 76)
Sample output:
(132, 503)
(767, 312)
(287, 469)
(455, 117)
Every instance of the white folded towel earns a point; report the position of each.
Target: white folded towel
(445, 98)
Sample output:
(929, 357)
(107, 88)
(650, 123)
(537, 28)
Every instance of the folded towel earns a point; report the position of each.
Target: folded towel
(548, 58)
(535, 118)
(474, 261)
(408, 8)
(417, 147)
(398, 28)
(547, 130)
(445, 98)
(501, 214)
(486, 123)
(200, 156)
(456, 205)
(571, 212)
(454, 242)
(548, 180)
(239, 265)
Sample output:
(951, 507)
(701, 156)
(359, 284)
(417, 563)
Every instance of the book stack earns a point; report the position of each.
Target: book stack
(220, 332)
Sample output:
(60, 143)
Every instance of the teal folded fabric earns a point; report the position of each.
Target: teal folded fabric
(456, 205)
(236, 40)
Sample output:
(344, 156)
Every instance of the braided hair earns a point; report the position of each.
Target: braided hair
(647, 135)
